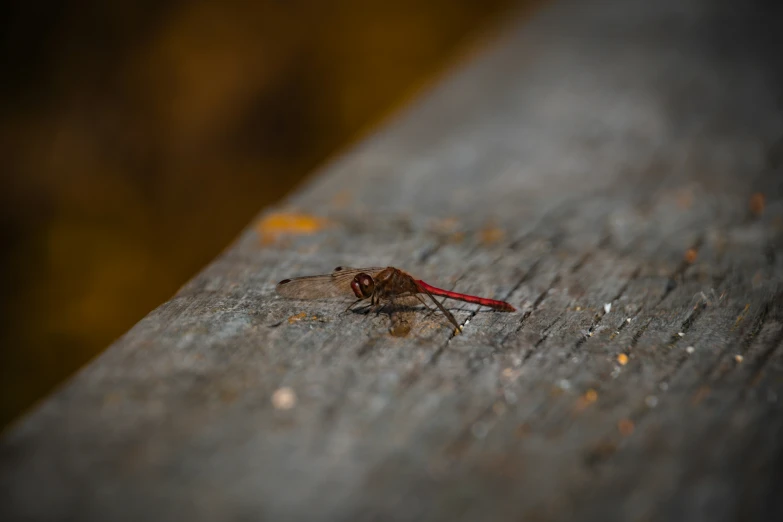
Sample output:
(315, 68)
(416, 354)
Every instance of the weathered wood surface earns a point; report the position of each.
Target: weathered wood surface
(604, 140)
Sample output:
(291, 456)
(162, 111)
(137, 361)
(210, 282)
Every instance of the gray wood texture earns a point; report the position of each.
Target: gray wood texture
(569, 169)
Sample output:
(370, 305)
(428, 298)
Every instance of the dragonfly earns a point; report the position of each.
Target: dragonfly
(381, 285)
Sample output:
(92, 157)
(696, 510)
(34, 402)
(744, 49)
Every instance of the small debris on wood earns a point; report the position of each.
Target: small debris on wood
(700, 395)
(491, 235)
(625, 427)
(757, 203)
(741, 316)
(685, 198)
(400, 324)
(274, 226)
(284, 398)
(589, 397)
(298, 317)
(400, 329)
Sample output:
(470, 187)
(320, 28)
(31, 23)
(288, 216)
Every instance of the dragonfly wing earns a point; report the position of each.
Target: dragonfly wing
(343, 271)
(336, 284)
(313, 287)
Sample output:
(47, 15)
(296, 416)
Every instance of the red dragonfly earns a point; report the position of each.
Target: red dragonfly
(379, 285)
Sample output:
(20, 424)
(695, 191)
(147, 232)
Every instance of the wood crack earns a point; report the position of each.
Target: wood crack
(679, 272)
(602, 313)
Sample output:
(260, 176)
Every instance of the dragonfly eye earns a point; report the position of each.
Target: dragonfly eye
(363, 286)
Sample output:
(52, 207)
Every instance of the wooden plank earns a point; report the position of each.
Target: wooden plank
(597, 168)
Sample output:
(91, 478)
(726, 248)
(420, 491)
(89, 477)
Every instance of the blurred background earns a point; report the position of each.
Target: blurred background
(138, 138)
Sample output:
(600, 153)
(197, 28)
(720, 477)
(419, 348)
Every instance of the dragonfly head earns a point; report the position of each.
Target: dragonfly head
(363, 286)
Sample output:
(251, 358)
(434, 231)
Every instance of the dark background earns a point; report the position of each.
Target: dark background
(138, 138)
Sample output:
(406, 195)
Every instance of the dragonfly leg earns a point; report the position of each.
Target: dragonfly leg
(377, 306)
(352, 305)
(387, 303)
(422, 301)
(448, 314)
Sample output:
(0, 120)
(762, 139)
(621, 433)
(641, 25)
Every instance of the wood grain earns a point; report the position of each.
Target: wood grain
(612, 169)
